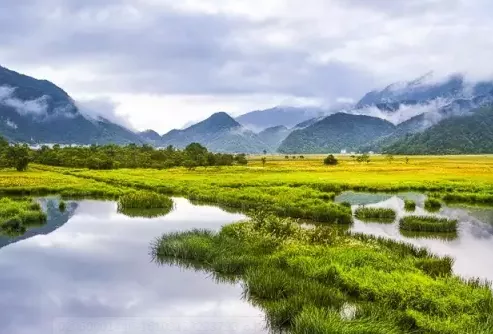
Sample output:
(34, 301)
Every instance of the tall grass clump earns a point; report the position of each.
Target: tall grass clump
(144, 200)
(433, 205)
(17, 215)
(62, 206)
(427, 224)
(304, 279)
(375, 214)
(409, 205)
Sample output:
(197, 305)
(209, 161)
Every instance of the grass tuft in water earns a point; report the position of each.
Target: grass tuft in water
(427, 224)
(433, 205)
(62, 206)
(144, 200)
(375, 214)
(17, 215)
(409, 205)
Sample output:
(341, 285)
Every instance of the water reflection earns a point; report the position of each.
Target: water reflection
(93, 274)
(472, 248)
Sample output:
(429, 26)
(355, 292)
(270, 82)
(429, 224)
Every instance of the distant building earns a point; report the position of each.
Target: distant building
(371, 152)
(343, 151)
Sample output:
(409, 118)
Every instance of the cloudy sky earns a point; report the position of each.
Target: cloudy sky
(163, 63)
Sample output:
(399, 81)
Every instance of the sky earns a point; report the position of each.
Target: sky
(161, 64)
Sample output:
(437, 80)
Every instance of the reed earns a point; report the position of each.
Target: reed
(428, 224)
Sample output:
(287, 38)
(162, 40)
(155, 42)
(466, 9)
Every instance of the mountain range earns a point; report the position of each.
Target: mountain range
(408, 117)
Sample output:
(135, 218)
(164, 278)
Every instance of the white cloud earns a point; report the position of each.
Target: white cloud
(167, 62)
(37, 107)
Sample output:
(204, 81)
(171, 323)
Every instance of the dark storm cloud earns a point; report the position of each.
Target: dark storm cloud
(140, 48)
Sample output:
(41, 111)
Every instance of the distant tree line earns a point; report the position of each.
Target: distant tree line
(114, 156)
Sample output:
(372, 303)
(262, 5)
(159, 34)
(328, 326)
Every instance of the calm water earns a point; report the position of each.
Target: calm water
(472, 248)
(88, 270)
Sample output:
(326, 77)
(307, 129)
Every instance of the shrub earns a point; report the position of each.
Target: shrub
(428, 224)
(330, 160)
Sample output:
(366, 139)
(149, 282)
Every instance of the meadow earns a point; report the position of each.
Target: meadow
(304, 279)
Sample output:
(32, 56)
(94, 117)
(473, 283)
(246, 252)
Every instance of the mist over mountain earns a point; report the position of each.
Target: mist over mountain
(38, 111)
(259, 120)
(471, 134)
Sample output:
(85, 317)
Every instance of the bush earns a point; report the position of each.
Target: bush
(330, 160)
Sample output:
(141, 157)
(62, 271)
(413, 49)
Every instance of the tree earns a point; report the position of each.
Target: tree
(389, 158)
(264, 160)
(286, 157)
(363, 158)
(302, 157)
(330, 160)
(265, 152)
(241, 159)
(407, 160)
(17, 156)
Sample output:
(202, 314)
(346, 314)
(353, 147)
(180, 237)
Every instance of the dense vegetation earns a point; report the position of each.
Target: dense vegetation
(144, 204)
(375, 214)
(427, 224)
(310, 280)
(16, 216)
(114, 156)
(458, 135)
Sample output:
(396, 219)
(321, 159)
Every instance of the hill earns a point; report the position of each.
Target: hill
(219, 133)
(471, 134)
(38, 111)
(335, 133)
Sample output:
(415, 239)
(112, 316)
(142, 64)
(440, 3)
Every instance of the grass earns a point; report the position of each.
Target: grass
(304, 279)
(62, 206)
(409, 205)
(17, 215)
(446, 236)
(375, 214)
(144, 200)
(428, 224)
(433, 205)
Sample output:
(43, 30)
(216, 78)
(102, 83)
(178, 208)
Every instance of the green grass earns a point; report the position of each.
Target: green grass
(428, 224)
(17, 215)
(375, 214)
(62, 206)
(303, 279)
(144, 200)
(433, 205)
(446, 236)
(409, 205)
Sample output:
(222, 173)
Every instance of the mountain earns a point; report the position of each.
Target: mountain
(472, 134)
(38, 111)
(219, 133)
(287, 116)
(274, 136)
(151, 136)
(335, 133)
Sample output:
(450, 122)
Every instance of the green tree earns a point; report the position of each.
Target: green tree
(17, 156)
(330, 160)
(241, 159)
(264, 160)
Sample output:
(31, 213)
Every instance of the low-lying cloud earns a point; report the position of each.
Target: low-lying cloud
(102, 107)
(36, 107)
